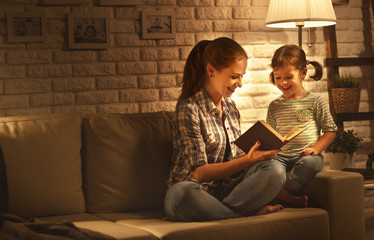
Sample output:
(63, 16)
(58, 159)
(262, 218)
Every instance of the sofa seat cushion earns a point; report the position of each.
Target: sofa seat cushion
(42, 164)
(289, 223)
(97, 224)
(126, 161)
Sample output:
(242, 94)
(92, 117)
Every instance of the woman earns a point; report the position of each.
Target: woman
(211, 178)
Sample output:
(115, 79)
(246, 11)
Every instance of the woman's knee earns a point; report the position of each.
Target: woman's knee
(276, 171)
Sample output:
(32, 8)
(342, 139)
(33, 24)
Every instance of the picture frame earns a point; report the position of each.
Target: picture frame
(63, 2)
(158, 24)
(88, 31)
(120, 2)
(26, 27)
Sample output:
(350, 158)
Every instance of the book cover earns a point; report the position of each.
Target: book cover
(270, 139)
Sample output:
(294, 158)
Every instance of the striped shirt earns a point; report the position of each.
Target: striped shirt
(311, 112)
(199, 136)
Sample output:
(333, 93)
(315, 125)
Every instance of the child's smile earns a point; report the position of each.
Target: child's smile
(289, 80)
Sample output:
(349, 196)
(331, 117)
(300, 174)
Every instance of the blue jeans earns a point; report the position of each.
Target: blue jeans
(258, 185)
(301, 169)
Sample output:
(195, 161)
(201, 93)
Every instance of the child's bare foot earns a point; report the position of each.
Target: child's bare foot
(269, 209)
(298, 201)
(293, 200)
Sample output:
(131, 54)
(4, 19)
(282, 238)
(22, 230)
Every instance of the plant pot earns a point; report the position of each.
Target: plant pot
(338, 161)
(346, 100)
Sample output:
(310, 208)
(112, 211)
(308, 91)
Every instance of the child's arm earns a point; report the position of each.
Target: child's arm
(320, 145)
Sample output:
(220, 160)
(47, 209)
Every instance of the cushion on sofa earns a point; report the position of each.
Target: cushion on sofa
(42, 164)
(126, 161)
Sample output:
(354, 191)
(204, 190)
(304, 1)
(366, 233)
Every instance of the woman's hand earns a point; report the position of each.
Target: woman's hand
(257, 155)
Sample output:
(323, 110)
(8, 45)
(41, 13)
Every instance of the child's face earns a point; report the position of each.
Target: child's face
(226, 80)
(289, 80)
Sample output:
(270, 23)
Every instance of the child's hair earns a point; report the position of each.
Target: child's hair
(295, 56)
(220, 53)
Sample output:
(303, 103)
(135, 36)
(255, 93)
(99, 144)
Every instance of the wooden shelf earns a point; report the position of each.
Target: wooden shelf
(357, 61)
(359, 116)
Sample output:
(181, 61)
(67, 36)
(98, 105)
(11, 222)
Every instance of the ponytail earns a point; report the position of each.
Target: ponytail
(317, 70)
(194, 73)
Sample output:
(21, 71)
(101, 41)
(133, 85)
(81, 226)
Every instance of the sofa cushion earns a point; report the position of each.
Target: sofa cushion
(42, 162)
(126, 161)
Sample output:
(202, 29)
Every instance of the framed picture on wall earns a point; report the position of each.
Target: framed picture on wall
(88, 31)
(158, 24)
(62, 2)
(120, 2)
(26, 27)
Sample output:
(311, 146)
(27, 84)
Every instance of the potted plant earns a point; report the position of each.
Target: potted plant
(346, 93)
(341, 152)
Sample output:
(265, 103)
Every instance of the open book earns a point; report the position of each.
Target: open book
(268, 136)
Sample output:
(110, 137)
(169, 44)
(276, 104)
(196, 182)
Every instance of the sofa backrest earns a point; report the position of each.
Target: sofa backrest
(40, 165)
(126, 161)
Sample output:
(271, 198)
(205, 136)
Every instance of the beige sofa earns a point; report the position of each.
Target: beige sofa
(107, 173)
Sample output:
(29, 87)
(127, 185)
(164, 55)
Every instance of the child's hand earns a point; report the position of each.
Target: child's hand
(309, 151)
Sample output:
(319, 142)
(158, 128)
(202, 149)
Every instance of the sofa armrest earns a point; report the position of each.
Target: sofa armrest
(342, 195)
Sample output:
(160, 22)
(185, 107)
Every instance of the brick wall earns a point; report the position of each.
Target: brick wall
(135, 75)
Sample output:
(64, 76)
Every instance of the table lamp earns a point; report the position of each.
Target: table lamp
(300, 13)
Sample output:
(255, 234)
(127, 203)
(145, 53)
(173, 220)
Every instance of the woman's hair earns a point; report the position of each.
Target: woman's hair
(220, 53)
(295, 56)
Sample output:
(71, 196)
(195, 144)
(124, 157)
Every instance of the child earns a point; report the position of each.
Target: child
(301, 157)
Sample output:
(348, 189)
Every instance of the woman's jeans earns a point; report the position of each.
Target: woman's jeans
(301, 170)
(186, 201)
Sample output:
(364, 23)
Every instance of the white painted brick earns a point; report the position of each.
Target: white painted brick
(185, 51)
(259, 63)
(126, 13)
(18, 86)
(169, 94)
(73, 84)
(168, 53)
(148, 54)
(139, 95)
(242, 12)
(137, 67)
(185, 13)
(63, 98)
(48, 70)
(193, 26)
(233, 3)
(259, 12)
(349, 13)
(171, 66)
(180, 40)
(213, 13)
(74, 56)
(117, 26)
(28, 56)
(166, 2)
(27, 111)
(232, 26)
(153, 81)
(248, 38)
(157, 106)
(119, 108)
(115, 82)
(55, 26)
(260, 3)
(195, 2)
(14, 101)
(40, 100)
(10, 71)
(120, 54)
(96, 97)
(81, 109)
(93, 69)
(132, 39)
(2, 57)
(211, 36)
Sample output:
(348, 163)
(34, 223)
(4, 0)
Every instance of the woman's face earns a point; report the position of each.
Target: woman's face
(225, 81)
(289, 80)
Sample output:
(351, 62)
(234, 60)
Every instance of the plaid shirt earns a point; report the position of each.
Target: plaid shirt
(199, 137)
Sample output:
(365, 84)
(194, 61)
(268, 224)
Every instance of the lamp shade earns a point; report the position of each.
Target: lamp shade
(294, 13)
